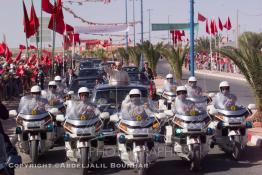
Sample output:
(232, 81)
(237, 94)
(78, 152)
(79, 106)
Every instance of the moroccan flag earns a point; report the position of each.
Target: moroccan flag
(213, 27)
(27, 27)
(220, 25)
(34, 22)
(228, 25)
(201, 17)
(57, 18)
(47, 7)
(69, 28)
(207, 27)
(32, 47)
(2, 48)
(22, 47)
(18, 57)
(74, 37)
(8, 54)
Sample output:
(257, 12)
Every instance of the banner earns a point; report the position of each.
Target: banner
(92, 29)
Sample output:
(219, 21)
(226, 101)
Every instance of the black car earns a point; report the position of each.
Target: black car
(131, 69)
(85, 65)
(96, 62)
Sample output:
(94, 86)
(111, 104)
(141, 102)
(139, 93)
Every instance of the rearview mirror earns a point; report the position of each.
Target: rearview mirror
(114, 118)
(60, 118)
(252, 106)
(13, 113)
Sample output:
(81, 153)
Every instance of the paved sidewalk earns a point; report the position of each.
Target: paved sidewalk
(234, 76)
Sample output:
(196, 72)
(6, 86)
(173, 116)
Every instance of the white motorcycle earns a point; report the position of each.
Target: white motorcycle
(231, 129)
(35, 128)
(83, 135)
(166, 99)
(138, 130)
(190, 135)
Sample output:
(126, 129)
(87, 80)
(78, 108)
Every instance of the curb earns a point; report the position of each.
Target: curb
(254, 139)
(220, 76)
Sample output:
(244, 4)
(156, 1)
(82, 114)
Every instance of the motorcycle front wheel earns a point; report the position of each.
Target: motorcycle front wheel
(84, 161)
(142, 163)
(196, 159)
(34, 151)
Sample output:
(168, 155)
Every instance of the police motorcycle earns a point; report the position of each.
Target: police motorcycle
(138, 128)
(55, 107)
(83, 133)
(167, 94)
(35, 127)
(230, 127)
(188, 132)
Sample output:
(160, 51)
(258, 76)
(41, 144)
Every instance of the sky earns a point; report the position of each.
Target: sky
(250, 16)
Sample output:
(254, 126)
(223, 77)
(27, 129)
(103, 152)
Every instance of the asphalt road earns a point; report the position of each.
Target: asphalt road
(216, 162)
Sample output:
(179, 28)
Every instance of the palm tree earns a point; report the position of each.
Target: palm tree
(134, 55)
(248, 58)
(123, 53)
(101, 53)
(176, 58)
(151, 53)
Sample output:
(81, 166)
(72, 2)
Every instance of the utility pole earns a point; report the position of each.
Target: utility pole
(134, 20)
(237, 31)
(192, 61)
(168, 32)
(149, 23)
(126, 24)
(142, 22)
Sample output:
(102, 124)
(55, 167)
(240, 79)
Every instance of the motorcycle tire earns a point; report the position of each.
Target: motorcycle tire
(236, 151)
(34, 151)
(84, 161)
(142, 163)
(196, 159)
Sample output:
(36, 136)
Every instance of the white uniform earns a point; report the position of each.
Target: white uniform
(168, 87)
(222, 101)
(183, 106)
(28, 103)
(116, 76)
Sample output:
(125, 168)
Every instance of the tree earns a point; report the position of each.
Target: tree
(101, 53)
(248, 58)
(151, 53)
(123, 53)
(134, 55)
(176, 58)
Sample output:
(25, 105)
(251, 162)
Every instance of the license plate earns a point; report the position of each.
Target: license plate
(34, 124)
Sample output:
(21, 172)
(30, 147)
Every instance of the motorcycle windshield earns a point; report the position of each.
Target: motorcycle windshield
(188, 108)
(227, 102)
(78, 110)
(54, 99)
(137, 109)
(32, 106)
(200, 102)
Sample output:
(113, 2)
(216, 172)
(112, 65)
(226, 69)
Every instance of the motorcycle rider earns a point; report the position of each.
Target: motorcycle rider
(60, 86)
(169, 84)
(51, 95)
(134, 102)
(35, 100)
(192, 89)
(182, 105)
(224, 99)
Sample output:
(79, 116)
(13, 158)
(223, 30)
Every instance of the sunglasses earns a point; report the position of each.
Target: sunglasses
(84, 94)
(224, 88)
(134, 96)
(54, 87)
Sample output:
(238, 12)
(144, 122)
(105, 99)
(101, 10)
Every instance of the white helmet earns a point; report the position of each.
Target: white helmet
(190, 79)
(224, 84)
(52, 83)
(83, 90)
(168, 76)
(58, 78)
(181, 88)
(35, 89)
(135, 92)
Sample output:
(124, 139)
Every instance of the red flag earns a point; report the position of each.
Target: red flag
(207, 27)
(22, 47)
(58, 17)
(18, 57)
(228, 25)
(47, 7)
(74, 37)
(213, 27)
(34, 22)
(201, 17)
(32, 47)
(2, 48)
(27, 28)
(220, 25)
(69, 28)
(8, 54)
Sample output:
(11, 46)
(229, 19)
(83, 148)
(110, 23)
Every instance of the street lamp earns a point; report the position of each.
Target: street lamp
(168, 32)
(126, 24)
(192, 62)
(149, 22)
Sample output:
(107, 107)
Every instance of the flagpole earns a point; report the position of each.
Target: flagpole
(210, 43)
(41, 30)
(53, 47)
(36, 38)
(27, 52)
(73, 51)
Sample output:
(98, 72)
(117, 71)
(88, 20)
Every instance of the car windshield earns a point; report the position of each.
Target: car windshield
(134, 77)
(32, 106)
(114, 96)
(131, 69)
(88, 72)
(86, 64)
(78, 110)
